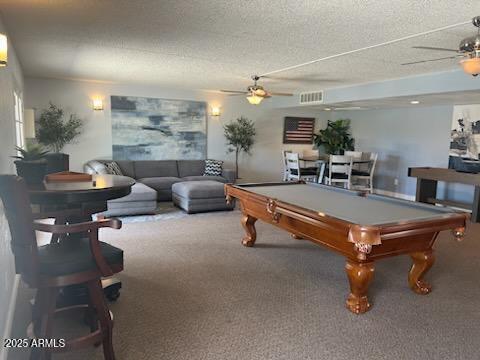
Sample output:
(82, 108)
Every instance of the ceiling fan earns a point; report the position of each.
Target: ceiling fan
(255, 93)
(468, 50)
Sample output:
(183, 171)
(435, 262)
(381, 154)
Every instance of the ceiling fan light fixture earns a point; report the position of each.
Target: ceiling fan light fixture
(254, 99)
(260, 92)
(471, 66)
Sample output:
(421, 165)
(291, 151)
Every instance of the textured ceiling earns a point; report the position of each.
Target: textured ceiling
(218, 44)
(446, 98)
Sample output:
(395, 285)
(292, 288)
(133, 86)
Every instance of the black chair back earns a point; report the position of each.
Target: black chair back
(14, 195)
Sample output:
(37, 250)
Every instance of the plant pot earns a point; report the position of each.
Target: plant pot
(32, 171)
(57, 162)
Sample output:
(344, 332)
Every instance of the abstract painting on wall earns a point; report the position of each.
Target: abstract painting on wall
(158, 129)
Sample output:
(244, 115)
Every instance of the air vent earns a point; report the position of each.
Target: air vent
(315, 97)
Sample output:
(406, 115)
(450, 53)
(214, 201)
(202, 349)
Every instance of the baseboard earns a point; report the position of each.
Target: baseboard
(7, 332)
(394, 194)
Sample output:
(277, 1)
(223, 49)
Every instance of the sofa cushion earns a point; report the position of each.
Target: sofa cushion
(202, 205)
(155, 168)
(190, 167)
(164, 195)
(113, 168)
(127, 167)
(160, 183)
(95, 167)
(140, 192)
(132, 208)
(199, 189)
(205, 178)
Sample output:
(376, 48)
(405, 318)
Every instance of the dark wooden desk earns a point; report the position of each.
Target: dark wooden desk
(428, 178)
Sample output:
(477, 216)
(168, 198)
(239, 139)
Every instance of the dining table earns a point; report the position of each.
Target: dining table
(74, 202)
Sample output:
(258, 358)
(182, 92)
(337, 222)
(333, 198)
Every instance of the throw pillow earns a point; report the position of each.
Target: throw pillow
(213, 167)
(113, 168)
(96, 167)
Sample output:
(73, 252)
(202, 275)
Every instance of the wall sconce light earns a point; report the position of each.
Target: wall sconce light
(97, 104)
(215, 111)
(3, 50)
(29, 123)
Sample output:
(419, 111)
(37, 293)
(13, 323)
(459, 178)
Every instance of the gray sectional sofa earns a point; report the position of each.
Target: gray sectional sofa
(154, 181)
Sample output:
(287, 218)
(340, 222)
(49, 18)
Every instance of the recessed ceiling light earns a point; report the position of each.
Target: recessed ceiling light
(327, 109)
(414, 102)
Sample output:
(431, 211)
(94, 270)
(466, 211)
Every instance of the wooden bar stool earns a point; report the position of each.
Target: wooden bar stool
(68, 260)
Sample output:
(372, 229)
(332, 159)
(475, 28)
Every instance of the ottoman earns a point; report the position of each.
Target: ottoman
(142, 200)
(200, 196)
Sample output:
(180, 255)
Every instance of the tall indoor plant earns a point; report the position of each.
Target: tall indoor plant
(240, 135)
(54, 132)
(335, 138)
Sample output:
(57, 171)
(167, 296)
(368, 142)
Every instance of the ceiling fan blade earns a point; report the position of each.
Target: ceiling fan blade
(234, 91)
(424, 61)
(309, 78)
(280, 94)
(433, 48)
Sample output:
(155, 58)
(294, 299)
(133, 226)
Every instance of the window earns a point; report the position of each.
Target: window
(20, 139)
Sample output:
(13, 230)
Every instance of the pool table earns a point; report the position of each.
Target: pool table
(362, 227)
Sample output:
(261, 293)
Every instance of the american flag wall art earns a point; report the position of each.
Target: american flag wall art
(297, 130)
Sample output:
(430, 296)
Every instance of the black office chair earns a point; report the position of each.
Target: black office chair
(71, 260)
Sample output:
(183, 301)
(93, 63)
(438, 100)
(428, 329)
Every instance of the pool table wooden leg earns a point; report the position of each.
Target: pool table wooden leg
(422, 262)
(248, 223)
(360, 275)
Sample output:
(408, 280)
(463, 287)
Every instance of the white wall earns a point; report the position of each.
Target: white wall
(403, 138)
(96, 139)
(10, 79)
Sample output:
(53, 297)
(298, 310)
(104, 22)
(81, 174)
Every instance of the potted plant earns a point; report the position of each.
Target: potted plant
(55, 132)
(240, 135)
(335, 138)
(31, 163)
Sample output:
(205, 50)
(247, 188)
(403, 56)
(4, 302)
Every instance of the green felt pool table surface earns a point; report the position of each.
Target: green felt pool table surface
(349, 205)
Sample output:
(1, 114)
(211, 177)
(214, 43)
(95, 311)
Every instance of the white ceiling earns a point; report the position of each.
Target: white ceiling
(218, 44)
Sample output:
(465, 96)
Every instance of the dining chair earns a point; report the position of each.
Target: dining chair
(363, 178)
(340, 170)
(285, 164)
(353, 154)
(295, 172)
(356, 155)
(68, 261)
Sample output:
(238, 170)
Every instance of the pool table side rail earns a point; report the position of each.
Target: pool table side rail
(433, 207)
(362, 236)
(448, 216)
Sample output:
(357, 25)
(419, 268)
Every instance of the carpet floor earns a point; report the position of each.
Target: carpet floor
(192, 291)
